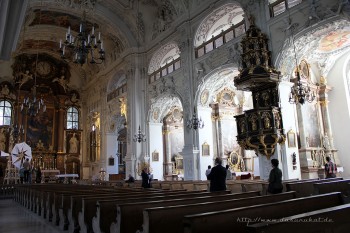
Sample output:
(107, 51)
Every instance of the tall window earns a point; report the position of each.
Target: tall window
(5, 112)
(72, 118)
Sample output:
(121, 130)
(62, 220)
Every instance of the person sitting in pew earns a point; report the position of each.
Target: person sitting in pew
(130, 180)
(275, 178)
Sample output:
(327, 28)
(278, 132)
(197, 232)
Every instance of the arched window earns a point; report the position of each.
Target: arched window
(5, 112)
(72, 118)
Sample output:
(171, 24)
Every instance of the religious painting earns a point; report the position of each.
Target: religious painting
(73, 142)
(40, 129)
(110, 161)
(205, 149)
(310, 122)
(291, 139)
(155, 156)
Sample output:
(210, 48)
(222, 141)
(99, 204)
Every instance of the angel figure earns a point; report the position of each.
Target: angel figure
(25, 77)
(62, 81)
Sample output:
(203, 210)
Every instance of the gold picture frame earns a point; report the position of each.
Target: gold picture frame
(291, 138)
(155, 156)
(205, 149)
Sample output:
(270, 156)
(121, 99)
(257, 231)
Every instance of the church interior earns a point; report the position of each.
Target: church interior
(96, 91)
(115, 86)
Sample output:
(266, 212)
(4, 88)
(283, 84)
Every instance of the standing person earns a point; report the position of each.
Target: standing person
(207, 172)
(38, 175)
(275, 178)
(330, 168)
(27, 170)
(145, 178)
(228, 173)
(217, 177)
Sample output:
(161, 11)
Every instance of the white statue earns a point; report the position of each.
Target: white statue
(73, 144)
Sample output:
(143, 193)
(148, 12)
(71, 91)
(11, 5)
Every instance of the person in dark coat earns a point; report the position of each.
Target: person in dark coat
(217, 177)
(145, 178)
(275, 178)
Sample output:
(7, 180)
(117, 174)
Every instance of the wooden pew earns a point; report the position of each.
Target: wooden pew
(225, 221)
(306, 188)
(334, 186)
(157, 219)
(130, 215)
(332, 219)
(70, 217)
(89, 207)
(60, 199)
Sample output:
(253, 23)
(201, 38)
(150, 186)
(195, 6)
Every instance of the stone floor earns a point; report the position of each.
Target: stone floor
(14, 218)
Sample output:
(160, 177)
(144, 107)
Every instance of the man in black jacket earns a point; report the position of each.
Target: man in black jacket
(217, 177)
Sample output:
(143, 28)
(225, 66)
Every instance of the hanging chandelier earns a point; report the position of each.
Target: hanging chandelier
(299, 93)
(85, 47)
(139, 137)
(195, 122)
(32, 103)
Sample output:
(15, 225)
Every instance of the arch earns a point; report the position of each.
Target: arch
(160, 107)
(215, 80)
(118, 80)
(164, 55)
(219, 20)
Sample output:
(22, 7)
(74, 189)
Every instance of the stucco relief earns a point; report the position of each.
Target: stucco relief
(161, 107)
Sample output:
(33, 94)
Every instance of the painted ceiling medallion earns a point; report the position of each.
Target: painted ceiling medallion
(304, 69)
(204, 96)
(177, 115)
(155, 114)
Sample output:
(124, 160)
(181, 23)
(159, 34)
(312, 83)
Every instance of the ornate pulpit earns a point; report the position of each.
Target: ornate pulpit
(260, 128)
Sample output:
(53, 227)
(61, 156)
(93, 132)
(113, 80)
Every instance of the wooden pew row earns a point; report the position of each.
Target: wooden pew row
(156, 219)
(225, 221)
(60, 199)
(83, 208)
(110, 212)
(50, 206)
(332, 219)
(89, 208)
(334, 186)
(306, 188)
(37, 193)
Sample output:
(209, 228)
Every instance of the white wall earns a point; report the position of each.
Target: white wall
(205, 135)
(111, 150)
(290, 122)
(156, 144)
(340, 111)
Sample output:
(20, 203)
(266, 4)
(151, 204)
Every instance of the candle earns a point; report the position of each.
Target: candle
(69, 30)
(93, 30)
(81, 26)
(99, 36)
(60, 44)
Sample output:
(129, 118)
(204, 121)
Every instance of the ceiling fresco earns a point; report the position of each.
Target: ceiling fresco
(59, 19)
(321, 46)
